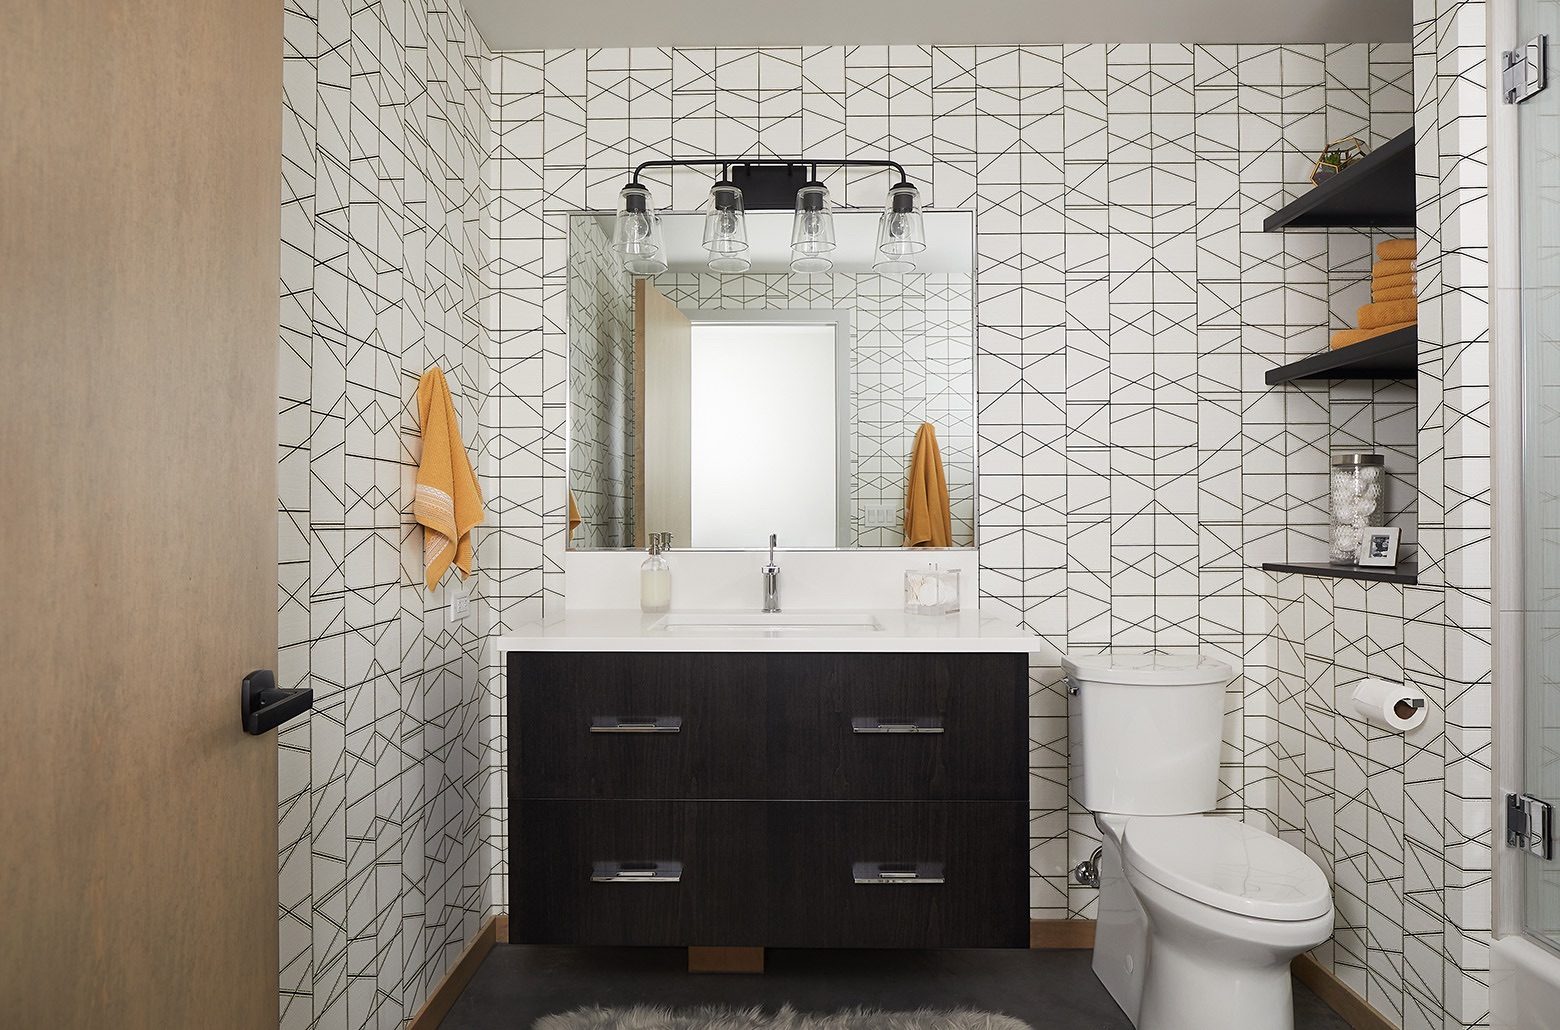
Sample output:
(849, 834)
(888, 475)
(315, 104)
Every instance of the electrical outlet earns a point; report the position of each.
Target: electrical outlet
(881, 516)
(460, 606)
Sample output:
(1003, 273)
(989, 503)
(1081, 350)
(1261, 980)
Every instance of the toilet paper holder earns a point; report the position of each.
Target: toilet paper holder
(1394, 706)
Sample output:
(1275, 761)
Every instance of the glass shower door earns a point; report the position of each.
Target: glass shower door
(1539, 208)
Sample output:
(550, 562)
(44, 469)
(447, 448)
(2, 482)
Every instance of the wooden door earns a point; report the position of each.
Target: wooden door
(139, 184)
(663, 422)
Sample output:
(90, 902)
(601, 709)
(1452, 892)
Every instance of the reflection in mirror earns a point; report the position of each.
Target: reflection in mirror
(721, 408)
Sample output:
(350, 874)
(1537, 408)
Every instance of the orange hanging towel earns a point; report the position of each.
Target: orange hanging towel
(928, 521)
(448, 502)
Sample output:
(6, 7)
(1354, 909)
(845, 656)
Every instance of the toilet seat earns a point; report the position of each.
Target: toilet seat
(1227, 865)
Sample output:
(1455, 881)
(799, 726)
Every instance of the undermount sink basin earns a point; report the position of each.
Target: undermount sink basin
(758, 622)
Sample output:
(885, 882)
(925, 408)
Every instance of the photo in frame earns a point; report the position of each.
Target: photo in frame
(1379, 546)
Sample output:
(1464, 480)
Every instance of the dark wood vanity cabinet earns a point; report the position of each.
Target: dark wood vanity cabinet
(758, 798)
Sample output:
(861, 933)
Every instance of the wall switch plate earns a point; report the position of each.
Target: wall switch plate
(460, 606)
(881, 516)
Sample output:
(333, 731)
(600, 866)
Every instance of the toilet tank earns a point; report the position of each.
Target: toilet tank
(1151, 728)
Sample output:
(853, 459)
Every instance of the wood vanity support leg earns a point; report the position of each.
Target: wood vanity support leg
(725, 960)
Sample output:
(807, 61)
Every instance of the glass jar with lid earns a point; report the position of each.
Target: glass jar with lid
(1358, 502)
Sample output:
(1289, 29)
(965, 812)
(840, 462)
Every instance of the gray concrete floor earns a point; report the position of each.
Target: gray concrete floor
(1049, 990)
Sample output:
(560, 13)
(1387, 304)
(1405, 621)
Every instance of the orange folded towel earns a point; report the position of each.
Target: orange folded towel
(928, 520)
(1392, 293)
(574, 514)
(1389, 282)
(1348, 337)
(1382, 269)
(1397, 250)
(448, 501)
(1389, 312)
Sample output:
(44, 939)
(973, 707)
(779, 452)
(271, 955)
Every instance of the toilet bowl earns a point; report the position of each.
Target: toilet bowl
(1228, 907)
(1199, 914)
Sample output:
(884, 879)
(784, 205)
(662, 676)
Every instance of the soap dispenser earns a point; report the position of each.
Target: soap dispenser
(655, 576)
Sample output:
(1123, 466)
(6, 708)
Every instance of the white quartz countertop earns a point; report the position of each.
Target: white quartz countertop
(632, 630)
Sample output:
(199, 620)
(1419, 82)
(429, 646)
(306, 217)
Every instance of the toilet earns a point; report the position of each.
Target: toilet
(1199, 914)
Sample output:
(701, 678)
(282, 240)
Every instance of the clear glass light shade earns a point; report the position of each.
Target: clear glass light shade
(636, 237)
(728, 262)
(901, 231)
(812, 230)
(725, 230)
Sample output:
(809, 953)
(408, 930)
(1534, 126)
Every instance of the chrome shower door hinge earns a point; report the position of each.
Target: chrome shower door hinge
(1525, 71)
(1530, 825)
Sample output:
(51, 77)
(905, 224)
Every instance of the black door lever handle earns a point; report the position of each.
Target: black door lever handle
(263, 705)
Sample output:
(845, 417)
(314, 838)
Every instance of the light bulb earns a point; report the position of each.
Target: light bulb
(636, 236)
(725, 231)
(636, 228)
(812, 230)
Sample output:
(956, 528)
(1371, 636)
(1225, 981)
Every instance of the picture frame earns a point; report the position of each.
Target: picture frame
(1379, 546)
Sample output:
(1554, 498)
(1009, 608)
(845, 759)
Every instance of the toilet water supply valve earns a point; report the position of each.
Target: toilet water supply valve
(1087, 872)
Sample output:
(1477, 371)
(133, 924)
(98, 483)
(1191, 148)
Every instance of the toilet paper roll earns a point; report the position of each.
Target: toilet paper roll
(1395, 706)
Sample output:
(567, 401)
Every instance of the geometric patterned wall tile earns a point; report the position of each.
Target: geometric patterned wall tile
(1134, 467)
(384, 234)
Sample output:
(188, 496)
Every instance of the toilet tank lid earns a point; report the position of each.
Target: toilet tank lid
(1140, 668)
(1228, 865)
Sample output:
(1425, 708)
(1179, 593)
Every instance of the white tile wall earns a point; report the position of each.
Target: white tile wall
(1133, 465)
(1135, 470)
(1403, 824)
(381, 864)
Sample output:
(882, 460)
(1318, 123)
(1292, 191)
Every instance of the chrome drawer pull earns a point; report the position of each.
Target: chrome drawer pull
(897, 872)
(615, 724)
(873, 724)
(636, 872)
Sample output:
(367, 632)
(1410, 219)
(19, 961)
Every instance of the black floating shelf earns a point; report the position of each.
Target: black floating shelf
(1375, 192)
(1402, 572)
(1393, 355)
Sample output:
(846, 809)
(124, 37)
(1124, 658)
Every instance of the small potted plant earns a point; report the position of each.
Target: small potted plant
(1339, 155)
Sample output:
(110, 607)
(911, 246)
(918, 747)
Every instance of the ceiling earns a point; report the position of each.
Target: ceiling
(537, 24)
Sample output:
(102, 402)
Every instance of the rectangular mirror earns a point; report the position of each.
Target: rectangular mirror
(722, 407)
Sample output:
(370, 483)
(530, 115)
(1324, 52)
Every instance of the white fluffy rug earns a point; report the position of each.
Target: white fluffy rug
(650, 1017)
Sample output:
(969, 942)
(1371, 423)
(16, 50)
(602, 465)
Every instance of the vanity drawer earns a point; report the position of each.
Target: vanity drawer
(673, 873)
(898, 726)
(637, 725)
(893, 874)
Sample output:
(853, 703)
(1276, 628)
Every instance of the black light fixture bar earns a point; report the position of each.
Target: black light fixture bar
(768, 183)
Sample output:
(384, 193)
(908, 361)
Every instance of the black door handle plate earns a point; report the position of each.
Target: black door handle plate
(263, 705)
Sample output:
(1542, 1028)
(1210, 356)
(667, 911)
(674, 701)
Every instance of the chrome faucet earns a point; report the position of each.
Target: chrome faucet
(771, 581)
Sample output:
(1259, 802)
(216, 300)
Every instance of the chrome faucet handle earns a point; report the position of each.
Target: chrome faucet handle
(771, 574)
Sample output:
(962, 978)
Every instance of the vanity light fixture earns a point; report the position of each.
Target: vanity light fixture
(901, 230)
(768, 184)
(637, 235)
(812, 230)
(725, 230)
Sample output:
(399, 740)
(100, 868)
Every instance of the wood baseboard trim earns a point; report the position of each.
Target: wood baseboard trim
(725, 960)
(1339, 996)
(1061, 933)
(442, 998)
(501, 928)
